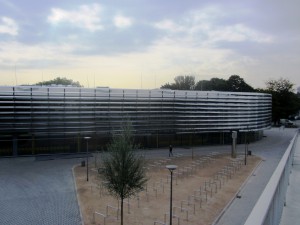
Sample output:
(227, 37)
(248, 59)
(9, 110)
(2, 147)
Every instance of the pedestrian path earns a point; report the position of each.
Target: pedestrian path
(271, 150)
(291, 211)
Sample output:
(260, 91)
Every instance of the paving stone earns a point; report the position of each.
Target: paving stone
(39, 193)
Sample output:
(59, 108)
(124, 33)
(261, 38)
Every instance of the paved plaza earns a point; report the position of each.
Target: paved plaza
(42, 192)
(38, 192)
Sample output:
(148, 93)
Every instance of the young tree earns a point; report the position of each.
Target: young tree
(122, 168)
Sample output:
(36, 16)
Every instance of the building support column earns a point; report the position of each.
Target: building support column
(15, 146)
(78, 143)
(33, 145)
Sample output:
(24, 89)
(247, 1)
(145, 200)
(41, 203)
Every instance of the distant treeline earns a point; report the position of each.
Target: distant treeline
(234, 84)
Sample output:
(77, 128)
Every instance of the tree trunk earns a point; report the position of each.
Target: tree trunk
(122, 211)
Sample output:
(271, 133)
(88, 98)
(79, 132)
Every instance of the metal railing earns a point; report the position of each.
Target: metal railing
(268, 208)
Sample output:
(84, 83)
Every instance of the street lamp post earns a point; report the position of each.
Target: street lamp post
(87, 157)
(246, 145)
(245, 148)
(171, 168)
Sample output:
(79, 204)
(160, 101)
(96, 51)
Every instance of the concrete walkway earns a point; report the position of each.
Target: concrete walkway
(291, 211)
(271, 150)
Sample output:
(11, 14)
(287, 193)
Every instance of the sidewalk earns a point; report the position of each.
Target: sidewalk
(291, 211)
(271, 150)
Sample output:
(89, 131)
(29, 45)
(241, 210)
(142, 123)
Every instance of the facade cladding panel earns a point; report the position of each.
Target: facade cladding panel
(45, 112)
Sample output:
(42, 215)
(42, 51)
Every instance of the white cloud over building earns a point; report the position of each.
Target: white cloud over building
(113, 41)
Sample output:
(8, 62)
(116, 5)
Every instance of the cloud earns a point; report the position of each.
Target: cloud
(8, 26)
(210, 26)
(237, 33)
(122, 21)
(169, 25)
(85, 16)
(14, 54)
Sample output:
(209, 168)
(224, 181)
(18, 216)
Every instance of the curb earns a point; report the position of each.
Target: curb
(77, 197)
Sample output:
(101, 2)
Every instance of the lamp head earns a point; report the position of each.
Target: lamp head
(171, 167)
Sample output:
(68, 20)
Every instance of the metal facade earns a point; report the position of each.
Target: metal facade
(44, 112)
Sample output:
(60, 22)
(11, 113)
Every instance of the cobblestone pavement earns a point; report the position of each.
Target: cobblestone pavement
(38, 192)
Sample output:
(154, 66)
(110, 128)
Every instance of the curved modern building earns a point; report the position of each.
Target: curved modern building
(37, 120)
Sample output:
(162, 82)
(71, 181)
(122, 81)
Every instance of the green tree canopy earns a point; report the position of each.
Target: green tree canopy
(60, 81)
(181, 83)
(281, 85)
(122, 168)
(214, 84)
(285, 102)
(235, 84)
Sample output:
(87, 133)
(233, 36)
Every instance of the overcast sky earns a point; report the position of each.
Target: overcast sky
(146, 43)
